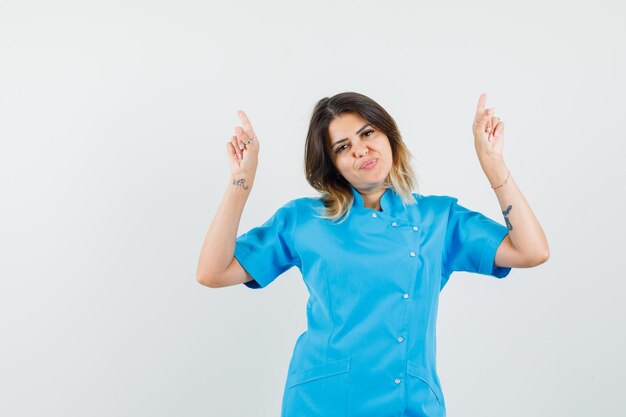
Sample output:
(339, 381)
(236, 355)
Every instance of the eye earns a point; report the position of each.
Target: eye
(342, 147)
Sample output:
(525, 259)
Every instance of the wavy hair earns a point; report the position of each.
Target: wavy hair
(321, 174)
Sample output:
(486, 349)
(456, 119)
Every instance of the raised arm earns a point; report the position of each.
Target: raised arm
(526, 244)
(217, 267)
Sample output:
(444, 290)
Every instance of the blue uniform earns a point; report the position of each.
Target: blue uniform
(374, 283)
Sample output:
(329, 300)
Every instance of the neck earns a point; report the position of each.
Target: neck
(371, 198)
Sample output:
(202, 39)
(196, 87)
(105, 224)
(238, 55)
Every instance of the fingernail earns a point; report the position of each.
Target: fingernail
(241, 145)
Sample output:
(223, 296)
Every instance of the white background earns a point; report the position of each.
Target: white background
(113, 122)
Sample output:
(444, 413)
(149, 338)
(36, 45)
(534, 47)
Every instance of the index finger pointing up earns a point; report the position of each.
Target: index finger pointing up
(247, 126)
(480, 107)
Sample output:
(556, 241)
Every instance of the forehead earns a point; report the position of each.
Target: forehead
(345, 125)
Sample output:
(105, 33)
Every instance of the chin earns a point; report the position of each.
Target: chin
(374, 183)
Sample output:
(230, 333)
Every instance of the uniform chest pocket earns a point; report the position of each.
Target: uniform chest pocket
(319, 390)
(423, 389)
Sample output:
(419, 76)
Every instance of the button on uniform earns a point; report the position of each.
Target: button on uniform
(405, 296)
(412, 253)
(397, 381)
(400, 339)
(415, 228)
(374, 215)
(394, 224)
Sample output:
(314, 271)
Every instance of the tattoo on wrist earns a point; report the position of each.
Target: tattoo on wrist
(240, 183)
(506, 219)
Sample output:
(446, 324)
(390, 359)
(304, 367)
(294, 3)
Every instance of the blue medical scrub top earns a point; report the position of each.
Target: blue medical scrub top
(373, 283)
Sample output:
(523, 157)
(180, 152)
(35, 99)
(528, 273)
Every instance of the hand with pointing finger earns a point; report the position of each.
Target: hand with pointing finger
(489, 143)
(488, 131)
(243, 152)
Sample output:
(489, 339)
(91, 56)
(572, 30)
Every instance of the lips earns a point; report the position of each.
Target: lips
(368, 164)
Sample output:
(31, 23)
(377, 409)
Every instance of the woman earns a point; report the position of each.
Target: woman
(373, 254)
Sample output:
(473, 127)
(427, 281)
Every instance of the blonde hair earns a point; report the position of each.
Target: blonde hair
(321, 174)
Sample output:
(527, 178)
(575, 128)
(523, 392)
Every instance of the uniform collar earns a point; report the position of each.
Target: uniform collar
(389, 201)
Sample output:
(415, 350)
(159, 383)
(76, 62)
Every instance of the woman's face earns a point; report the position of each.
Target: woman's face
(361, 153)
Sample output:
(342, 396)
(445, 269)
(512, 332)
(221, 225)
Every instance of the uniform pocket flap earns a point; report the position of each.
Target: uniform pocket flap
(418, 371)
(317, 372)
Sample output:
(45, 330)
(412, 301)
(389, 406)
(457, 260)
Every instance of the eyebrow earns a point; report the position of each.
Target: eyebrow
(345, 139)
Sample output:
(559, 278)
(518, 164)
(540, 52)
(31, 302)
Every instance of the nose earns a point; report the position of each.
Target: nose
(360, 149)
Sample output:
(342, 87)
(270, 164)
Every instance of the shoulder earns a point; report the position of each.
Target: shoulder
(300, 207)
(434, 202)
(306, 204)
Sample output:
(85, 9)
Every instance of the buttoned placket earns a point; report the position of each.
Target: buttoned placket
(405, 296)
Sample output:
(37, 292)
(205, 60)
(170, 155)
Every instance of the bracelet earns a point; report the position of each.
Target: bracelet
(505, 181)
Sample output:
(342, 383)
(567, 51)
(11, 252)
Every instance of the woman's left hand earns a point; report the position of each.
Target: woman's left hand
(488, 132)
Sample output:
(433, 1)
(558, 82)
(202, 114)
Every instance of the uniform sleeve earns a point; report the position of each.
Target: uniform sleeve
(471, 242)
(267, 251)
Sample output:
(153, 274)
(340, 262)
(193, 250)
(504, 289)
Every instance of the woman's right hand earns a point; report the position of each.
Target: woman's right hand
(243, 155)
